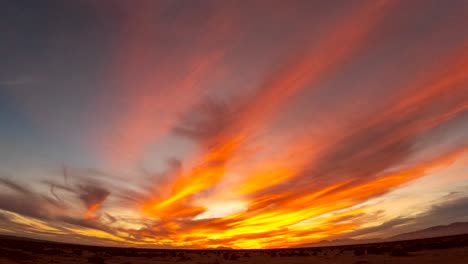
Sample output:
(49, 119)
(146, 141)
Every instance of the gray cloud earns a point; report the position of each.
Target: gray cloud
(451, 210)
(446, 212)
(92, 194)
(24, 201)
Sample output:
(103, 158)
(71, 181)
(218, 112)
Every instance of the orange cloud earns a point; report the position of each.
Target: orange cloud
(309, 68)
(90, 211)
(343, 171)
(295, 217)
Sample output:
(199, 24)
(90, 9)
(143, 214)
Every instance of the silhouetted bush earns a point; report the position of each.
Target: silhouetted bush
(247, 255)
(359, 252)
(226, 256)
(399, 252)
(184, 258)
(233, 257)
(96, 260)
(437, 245)
(15, 255)
(52, 252)
(375, 251)
(129, 253)
(412, 248)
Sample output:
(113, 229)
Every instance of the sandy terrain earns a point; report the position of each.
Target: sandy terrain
(452, 249)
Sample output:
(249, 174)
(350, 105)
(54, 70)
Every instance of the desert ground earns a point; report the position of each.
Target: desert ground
(453, 249)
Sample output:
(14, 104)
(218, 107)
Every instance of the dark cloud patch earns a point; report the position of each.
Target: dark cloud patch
(88, 186)
(87, 223)
(15, 186)
(25, 202)
(392, 224)
(111, 218)
(24, 205)
(451, 210)
(91, 194)
(61, 224)
(208, 120)
(28, 203)
(84, 186)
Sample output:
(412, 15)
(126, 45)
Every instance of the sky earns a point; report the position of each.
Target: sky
(241, 124)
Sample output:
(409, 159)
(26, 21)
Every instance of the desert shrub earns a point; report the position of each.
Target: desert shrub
(412, 248)
(436, 245)
(96, 260)
(375, 251)
(246, 255)
(226, 256)
(15, 255)
(130, 253)
(78, 252)
(104, 254)
(302, 254)
(184, 258)
(52, 252)
(148, 254)
(233, 257)
(359, 252)
(399, 252)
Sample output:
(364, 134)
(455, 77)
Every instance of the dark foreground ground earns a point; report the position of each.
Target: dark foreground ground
(453, 249)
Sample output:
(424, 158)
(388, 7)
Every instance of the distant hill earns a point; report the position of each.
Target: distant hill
(340, 242)
(10, 237)
(435, 231)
